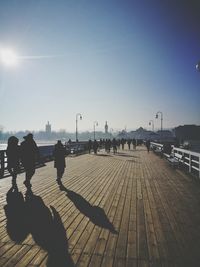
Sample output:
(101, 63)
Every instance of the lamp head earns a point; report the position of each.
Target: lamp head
(156, 116)
(198, 66)
(149, 123)
(80, 117)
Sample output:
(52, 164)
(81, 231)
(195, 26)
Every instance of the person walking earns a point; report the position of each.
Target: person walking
(95, 146)
(59, 160)
(13, 157)
(114, 144)
(29, 155)
(129, 144)
(89, 145)
(123, 141)
(134, 143)
(148, 145)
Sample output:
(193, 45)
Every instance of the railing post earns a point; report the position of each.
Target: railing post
(199, 167)
(2, 163)
(190, 162)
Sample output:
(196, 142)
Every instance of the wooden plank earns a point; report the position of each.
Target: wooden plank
(152, 207)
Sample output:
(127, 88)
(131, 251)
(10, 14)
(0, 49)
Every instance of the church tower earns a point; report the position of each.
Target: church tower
(48, 128)
(106, 127)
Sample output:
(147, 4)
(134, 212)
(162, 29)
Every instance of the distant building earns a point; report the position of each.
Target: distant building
(144, 134)
(48, 128)
(106, 128)
(187, 132)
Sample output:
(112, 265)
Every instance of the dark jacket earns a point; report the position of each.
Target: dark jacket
(59, 156)
(29, 153)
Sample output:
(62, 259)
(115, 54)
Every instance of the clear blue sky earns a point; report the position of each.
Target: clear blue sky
(120, 61)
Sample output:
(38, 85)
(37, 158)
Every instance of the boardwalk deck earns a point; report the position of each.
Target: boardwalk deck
(129, 209)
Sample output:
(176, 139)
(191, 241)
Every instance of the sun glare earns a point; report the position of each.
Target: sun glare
(8, 57)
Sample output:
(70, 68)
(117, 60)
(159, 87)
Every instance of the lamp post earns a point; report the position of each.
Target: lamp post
(111, 130)
(151, 122)
(161, 119)
(78, 115)
(95, 124)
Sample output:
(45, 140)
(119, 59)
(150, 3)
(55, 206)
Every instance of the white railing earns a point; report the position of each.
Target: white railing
(156, 145)
(189, 158)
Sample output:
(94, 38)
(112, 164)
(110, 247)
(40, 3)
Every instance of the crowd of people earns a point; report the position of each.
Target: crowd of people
(109, 144)
(27, 154)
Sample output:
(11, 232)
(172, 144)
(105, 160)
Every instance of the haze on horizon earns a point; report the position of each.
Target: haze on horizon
(118, 61)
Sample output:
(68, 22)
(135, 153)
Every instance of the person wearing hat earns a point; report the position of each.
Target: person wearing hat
(59, 160)
(29, 155)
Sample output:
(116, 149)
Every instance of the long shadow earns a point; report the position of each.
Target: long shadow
(103, 155)
(42, 223)
(16, 226)
(94, 213)
(125, 155)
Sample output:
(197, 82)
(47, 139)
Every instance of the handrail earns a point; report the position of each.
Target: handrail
(190, 159)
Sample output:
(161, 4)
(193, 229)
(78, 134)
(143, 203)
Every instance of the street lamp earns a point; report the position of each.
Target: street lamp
(151, 122)
(78, 115)
(161, 119)
(198, 66)
(95, 124)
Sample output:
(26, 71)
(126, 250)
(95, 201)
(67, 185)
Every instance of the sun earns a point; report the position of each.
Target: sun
(8, 57)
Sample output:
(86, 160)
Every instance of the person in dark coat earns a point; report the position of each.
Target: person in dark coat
(95, 146)
(129, 144)
(59, 160)
(89, 145)
(13, 156)
(29, 156)
(114, 144)
(148, 143)
(134, 143)
(123, 142)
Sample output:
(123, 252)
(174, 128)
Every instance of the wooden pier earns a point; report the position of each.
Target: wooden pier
(129, 209)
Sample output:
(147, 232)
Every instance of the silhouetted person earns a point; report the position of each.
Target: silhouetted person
(148, 145)
(118, 144)
(69, 141)
(108, 145)
(89, 146)
(167, 148)
(134, 143)
(95, 146)
(114, 144)
(129, 144)
(123, 141)
(13, 156)
(59, 160)
(29, 156)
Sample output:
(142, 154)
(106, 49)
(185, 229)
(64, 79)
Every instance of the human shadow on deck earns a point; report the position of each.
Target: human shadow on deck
(44, 225)
(94, 213)
(104, 155)
(125, 155)
(16, 225)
